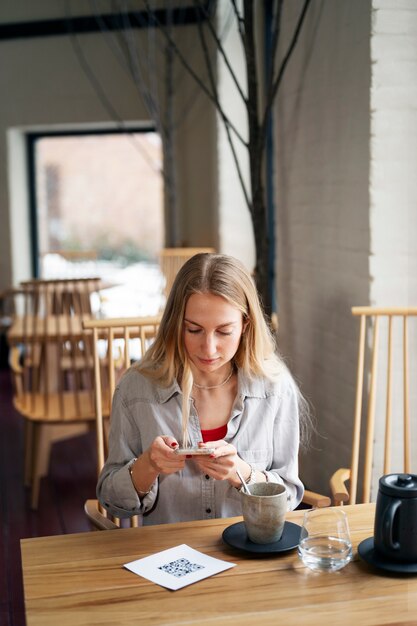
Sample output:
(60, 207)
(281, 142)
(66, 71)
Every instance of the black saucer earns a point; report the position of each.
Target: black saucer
(370, 555)
(236, 537)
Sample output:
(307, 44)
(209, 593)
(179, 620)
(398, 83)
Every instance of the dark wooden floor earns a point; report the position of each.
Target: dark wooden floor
(71, 480)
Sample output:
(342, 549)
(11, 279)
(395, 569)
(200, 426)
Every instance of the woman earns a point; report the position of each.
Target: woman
(211, 379)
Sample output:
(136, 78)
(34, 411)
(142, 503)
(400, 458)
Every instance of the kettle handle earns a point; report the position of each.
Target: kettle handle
(388, 524)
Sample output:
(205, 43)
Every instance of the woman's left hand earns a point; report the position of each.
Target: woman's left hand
(223, 463)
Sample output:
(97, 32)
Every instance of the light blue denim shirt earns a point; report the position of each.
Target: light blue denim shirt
(263, 427)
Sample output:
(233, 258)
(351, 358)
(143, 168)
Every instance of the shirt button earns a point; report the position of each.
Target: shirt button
(207, 477)
(208, 510)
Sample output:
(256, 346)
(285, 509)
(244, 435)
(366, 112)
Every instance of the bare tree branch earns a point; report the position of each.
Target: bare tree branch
(197, 79)
(224, 119)
(150, 101)
(278, 79)
(276, 28)
(103, 99)
(171, 232)
(239, 21)
(220, 48)
(238, 168)
(244, 13)
(125, 57)
(255, 156)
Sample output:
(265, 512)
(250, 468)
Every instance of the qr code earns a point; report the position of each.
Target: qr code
(180, 567)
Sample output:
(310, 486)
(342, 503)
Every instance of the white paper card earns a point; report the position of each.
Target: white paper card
(177, 567)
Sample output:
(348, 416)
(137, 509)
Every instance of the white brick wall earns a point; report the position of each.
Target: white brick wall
(393, 187)
(393, 180)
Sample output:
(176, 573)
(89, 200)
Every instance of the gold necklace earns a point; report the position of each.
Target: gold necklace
(215, 386)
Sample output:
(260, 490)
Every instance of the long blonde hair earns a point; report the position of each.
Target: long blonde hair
(220, 275)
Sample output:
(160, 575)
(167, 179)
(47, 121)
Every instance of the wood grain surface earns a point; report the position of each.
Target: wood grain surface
(79, 579)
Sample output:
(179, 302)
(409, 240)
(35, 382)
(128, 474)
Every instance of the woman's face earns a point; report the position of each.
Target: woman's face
(212, 331)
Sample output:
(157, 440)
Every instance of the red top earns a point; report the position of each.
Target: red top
(214, 434)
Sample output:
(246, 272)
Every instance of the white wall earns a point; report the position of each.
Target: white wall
(322, 126)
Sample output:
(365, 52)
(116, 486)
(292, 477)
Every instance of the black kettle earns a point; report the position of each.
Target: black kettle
(395, 530)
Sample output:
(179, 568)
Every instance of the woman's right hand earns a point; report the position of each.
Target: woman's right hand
(159, 458)
(161, 455)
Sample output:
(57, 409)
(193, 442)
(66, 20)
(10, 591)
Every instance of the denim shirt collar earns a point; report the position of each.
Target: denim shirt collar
(250, 387)
(165, 393)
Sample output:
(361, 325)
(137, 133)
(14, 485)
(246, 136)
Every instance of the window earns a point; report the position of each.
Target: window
(98, 210)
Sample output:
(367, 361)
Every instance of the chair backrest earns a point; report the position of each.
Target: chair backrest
(172, 259)
(62, 296)
(116, 343)
(52, 364)
(382, 441)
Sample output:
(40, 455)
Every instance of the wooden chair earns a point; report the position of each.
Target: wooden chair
(172, 259)
(55, 403)
(118, 333)
(384, 343)
(52, 369)
(62, 296)
(313, 499)
(115, 344)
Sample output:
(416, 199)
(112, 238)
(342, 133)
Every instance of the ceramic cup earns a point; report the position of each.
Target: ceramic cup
(395, 530)
(264, 511)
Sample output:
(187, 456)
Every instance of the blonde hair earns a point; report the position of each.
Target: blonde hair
(220, 275)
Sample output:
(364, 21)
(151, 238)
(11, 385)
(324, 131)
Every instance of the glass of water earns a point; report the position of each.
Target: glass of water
(325, 544)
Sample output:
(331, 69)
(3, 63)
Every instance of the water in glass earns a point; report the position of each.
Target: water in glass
(323, 553)
(325, 543)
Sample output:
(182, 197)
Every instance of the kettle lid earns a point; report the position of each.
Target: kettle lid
(399, 485)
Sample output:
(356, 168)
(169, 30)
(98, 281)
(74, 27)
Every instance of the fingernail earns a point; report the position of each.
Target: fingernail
(188, 456)
(174, 445)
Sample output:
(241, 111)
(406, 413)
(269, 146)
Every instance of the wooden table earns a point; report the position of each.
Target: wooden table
(51, 328)
(79, 580)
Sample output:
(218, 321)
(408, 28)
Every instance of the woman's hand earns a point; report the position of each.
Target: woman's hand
(223, 463)
(159, 458)
(161, 455)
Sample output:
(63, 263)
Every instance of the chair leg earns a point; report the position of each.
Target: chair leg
(28, 452)
(35, 482)
(41, 453)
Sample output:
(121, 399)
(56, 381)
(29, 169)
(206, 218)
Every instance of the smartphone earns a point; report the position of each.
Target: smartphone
(195, 451)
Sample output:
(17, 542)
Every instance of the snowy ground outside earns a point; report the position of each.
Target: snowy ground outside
(135, 290)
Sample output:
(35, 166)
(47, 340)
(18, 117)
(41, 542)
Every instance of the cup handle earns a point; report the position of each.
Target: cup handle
(388, 524)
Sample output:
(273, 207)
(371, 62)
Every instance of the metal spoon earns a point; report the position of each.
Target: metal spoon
(245, 487)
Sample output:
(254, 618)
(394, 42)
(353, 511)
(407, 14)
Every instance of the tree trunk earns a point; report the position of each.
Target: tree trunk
(262, 251)
(171, 209)
(255, 149)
